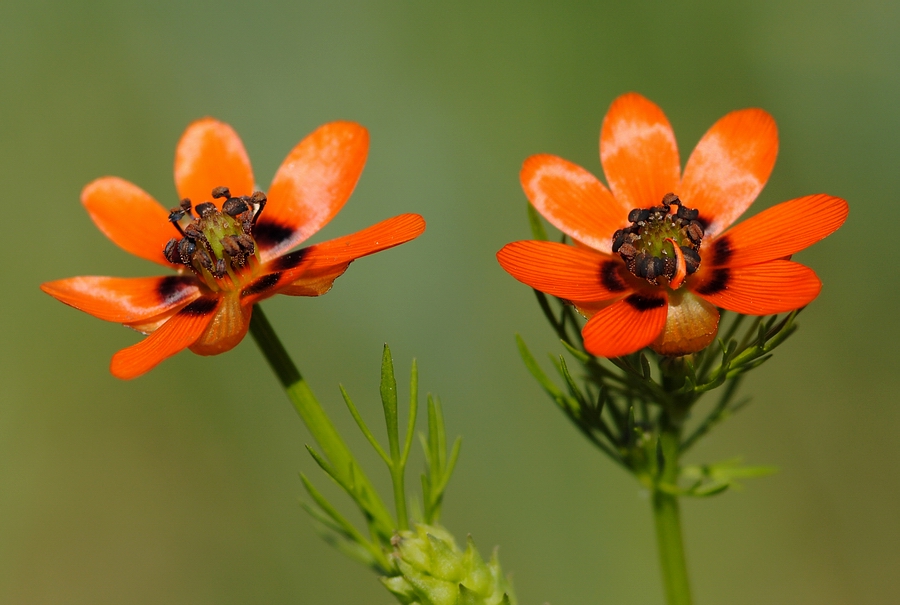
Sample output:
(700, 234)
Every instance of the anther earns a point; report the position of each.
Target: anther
(186, 249)
(202, 257)
(670, 265)
(205, 209)
(232, 248)
(171, 252)
(185, 205)
(220, 268)
(691, 259)
(627, 251)
(649, 267)
(174, 216)
(246, 243)
(618, 239)
(687, 214)
(220, 192)
(694, 232)
(258, 198)
(193, 231)
(234, 206)
(670, 199)
(638, 215)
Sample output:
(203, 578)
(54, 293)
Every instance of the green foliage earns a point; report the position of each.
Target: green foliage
(373, 551)
(424, 566)
(538, 231)
(624, 405)
(712, 479)
(439, 464)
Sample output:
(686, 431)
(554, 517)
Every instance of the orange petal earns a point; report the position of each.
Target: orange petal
(779, 231)
(316, 283)
(182, 330)
(765, 289)
(564, 271)
(691, 325)
(591, 307)
(312, 281)
(124, 300)
(210, 154)
(729, 167)
(153, 324)
(311, 186)
(573, 200)
(310, 271)
(626, 326)
(130, 217)
(680, 265)
(638, 152)
(228, 327)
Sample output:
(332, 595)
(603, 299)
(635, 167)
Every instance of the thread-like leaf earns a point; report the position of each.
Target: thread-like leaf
(533, 367)
(362, 427)
(413, 411)
(389, 402)
(537, 227)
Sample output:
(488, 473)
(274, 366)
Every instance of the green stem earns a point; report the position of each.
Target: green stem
(668, 523)
(315, 418)
(397, 478)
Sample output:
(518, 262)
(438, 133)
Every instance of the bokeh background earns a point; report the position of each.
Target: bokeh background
(182, 486)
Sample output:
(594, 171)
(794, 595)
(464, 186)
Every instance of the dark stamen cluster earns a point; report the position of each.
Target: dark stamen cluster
(215, 241)
(643, 246)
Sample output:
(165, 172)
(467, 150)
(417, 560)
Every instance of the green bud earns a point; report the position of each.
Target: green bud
(432, 570)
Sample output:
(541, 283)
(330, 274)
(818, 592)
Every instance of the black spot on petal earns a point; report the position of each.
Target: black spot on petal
(201, 306)
(721, 251)
(262, 284)
(289, 261)
(704, 222)
(172, 287)
(610, 278)
(269, 234)
(717, 282)
(642, 302)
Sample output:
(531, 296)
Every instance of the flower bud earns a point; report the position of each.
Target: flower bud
(434, 571)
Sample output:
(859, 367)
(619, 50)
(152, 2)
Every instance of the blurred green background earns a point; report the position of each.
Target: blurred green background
(182, 486)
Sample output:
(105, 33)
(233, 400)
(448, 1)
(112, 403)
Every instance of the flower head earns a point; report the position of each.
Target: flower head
(654, 256)
(227, 243)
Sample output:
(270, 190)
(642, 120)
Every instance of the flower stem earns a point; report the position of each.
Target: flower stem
(668, 523)
(298, 390)
(343, 463)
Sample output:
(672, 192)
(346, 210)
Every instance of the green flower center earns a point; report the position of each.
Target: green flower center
(661, 245)
(217, 245)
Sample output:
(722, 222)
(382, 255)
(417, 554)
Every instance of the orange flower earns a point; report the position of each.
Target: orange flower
(234, 253)
(653, 260)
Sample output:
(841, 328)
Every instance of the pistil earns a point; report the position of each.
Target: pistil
(217, 245)
(661, 246)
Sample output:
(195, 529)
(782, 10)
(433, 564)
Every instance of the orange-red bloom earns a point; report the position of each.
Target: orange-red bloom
(233, 253)
(653, 260)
